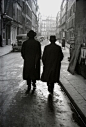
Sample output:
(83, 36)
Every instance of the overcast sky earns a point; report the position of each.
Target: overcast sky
(49, 7)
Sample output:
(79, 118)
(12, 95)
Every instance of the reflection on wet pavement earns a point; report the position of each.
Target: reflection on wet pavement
(37, 108)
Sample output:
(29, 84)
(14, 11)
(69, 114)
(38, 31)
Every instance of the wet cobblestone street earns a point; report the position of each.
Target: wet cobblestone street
(37, 108)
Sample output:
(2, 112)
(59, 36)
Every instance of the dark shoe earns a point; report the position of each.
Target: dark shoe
(49, 88)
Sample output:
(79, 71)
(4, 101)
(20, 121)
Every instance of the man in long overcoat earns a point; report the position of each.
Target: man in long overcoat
(52, 57)
(31, 53)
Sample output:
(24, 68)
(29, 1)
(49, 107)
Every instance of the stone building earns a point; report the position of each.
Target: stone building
(43, 28)
(16, 17)
(27, 15)
(73, 28)
(58, 26)
(63, 17)
(70, 21)
(34, 15)
(67, 20)
(48, 26)
(39, 23)
(78, 60)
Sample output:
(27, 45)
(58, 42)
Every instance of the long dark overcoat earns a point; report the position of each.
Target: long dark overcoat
(31, 53)
(52, 57)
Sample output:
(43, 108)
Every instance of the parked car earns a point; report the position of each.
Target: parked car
(18, 43)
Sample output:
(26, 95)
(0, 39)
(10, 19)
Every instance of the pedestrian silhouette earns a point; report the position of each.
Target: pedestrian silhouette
(63, 43)
(31, 53)
(52, 57)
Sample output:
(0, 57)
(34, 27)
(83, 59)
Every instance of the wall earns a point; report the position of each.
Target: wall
(63, 15)
(70, 23)
(80, 22)
(80, 38)
(34, 15)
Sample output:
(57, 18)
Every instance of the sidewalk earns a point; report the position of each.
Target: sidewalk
(74, 86)
(5, 50)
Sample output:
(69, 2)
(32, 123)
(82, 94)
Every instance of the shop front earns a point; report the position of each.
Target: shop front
(78, 59)
(6, 30)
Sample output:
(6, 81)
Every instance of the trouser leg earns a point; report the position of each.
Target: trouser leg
(29, 84)
(50, 87)
(34, 83)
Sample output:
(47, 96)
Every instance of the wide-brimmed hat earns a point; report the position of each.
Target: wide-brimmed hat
(52, 38)
(31, 33)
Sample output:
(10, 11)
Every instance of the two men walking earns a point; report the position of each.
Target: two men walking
(52, 57)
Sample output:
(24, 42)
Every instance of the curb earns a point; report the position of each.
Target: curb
(77, 109)
(6, 53)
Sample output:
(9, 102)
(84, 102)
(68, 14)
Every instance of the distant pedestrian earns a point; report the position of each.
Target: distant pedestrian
(63, 43)
(31, 53)
(52, 57)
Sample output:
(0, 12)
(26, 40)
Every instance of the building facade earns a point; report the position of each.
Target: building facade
(80, 37)
(34, 15)
(67, 20)
(16, 17)
(70, 21)
(73, 28)
(58, 26)
(27, 15)
(51, 26)
(44, 28)
(78, 59)
(48, 26)
(63, 17)
(39, 23)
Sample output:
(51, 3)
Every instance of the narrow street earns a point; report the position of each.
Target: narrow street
(35, 109)
(25, 106)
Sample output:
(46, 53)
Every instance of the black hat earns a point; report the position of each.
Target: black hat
(31, 34)
(52, 38)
